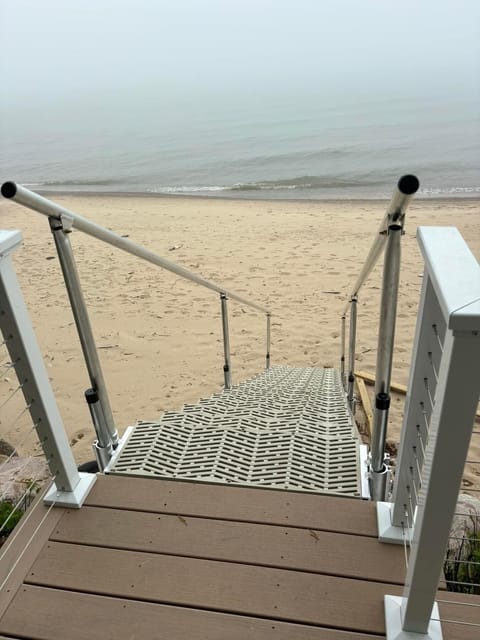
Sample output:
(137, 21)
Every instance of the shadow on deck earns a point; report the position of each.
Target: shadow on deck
(147, 558)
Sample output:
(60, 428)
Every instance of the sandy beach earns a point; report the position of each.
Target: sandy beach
(159, 337)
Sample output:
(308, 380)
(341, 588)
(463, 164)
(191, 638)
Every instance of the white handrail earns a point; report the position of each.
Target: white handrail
(42, 205)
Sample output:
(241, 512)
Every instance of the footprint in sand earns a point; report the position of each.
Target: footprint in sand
(76, 438)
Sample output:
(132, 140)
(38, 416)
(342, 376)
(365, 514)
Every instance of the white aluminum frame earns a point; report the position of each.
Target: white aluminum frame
(452, 283)
(70, 487)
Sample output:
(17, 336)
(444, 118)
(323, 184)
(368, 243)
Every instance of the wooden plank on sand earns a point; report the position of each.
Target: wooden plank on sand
(367, 407)
(370, 378)
(395, 386)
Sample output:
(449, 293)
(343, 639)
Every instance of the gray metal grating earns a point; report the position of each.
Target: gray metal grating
(288, 428)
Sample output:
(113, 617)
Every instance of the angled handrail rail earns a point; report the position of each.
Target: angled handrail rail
(32, 200)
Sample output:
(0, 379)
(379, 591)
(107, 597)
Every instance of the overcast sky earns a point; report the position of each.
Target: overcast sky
(55, 48)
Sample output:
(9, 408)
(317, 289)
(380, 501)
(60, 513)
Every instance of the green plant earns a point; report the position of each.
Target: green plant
(462, 563)
(8, 517)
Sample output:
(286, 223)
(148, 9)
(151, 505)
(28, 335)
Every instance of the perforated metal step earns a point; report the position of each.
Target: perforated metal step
(288, 428)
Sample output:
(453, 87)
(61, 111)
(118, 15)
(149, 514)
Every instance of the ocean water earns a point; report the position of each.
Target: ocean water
(297, 145)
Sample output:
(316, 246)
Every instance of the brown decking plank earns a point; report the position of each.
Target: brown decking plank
(22, 547)
(283, 547)
(228, 502)
(77, 616)
(236, 588)
(459, 631)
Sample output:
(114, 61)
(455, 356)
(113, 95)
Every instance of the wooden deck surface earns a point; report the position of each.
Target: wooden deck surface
(148, 559)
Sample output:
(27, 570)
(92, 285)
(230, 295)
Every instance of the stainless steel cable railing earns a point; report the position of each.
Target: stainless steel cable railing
(387, 239)
(62, 222)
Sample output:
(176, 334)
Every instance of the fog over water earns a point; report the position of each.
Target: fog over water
(242, 98)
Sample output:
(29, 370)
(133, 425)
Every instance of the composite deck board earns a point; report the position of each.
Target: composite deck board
(229, 502)
(85, 616)
(88, 616)
(168, 560)
(241, 542)
(293, 596)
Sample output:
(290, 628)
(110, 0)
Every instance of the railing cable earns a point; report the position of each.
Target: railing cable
(22, 412)
(466, 624)
(29, 541)
(19, 502)
(4, 367)
(14, 453)
(12, 395)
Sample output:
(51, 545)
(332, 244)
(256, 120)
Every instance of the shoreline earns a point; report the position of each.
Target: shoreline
(236, 198)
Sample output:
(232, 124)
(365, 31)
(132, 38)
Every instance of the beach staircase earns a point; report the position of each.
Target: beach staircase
(209, 522)
(287, 428)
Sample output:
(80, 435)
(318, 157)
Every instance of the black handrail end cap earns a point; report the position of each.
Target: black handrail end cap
(408, 184)
(9, 189)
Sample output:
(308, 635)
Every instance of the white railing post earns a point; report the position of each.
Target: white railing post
(441, 402)
(430, 339)
(70, 487)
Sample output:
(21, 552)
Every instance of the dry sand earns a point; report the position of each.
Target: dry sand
(159, 336)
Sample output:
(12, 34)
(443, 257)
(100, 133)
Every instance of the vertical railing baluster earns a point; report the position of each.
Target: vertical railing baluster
(342, 357)
(227, 373)
(85, 333)
(386, 338)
